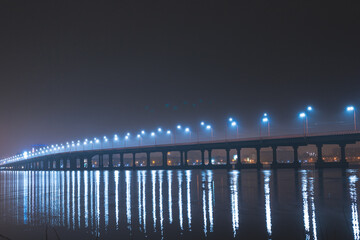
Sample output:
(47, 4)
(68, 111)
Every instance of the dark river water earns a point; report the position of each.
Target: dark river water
(180, 204)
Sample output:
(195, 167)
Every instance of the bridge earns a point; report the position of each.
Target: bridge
(89, 159)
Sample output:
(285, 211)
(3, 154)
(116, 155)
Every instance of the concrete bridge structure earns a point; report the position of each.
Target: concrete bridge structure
(83, 160)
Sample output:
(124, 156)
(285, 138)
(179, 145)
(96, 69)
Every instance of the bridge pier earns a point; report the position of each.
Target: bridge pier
(148, 166)
(181, 158)
(82, 163)
(210, 162)
(319, 162)
(296, 157)
(343, 155)
(228, 158)
(165, 165)
(57, 164)
(73, 163)
(111, 165)
(90, 165)
(121, 160)
(203, 158)
(186, 158)
(258, 162)
(133, 161)
(274, 162)
(238, 163)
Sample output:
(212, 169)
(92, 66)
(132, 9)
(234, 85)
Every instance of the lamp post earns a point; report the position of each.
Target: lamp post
(139, 137)
(304, 116)
(154, 135)
(234, 124)
(168, 132)
(352, 109)
(187, 130)
(265, 119)
(208, 127)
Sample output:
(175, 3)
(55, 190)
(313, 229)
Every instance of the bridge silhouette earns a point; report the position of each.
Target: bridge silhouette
(94, 158)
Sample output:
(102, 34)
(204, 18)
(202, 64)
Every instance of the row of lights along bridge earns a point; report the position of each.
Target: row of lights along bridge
(78, 146)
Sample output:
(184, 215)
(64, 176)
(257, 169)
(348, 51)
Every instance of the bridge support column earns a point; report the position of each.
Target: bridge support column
(258, 162)
(57, 164)
(210, 162)
(89, 160)
(121, 160)
(203, 158)
(133, 161)
(343, 155)
(228, 158)
(186, 158)
(148, 166)
(82, 163)
(181, 158)
(164, 155)
(238, 163)
(319, 162)
(274, 162)
(73, 163)
(296, 157)
(111, 165)
(101, 161)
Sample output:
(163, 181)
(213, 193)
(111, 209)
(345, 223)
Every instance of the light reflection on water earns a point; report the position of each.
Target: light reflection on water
(162, 204)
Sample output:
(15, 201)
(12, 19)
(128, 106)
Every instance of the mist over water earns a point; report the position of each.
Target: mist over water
(175, 204)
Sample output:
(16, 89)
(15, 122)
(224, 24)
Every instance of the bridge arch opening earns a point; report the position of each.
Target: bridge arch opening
(140, 159)
(116, 159)
(156, 159)
(173, 158)
(285, 154)
(128, 159)
(331, 153)
(248, 156)
(193, 157)
(95, 161)
(307, 154)
(218, 156)
(352, 152)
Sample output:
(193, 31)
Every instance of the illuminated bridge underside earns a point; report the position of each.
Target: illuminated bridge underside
(83, 159)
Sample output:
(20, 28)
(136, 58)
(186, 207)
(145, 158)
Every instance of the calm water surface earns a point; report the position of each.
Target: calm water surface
(180, 204)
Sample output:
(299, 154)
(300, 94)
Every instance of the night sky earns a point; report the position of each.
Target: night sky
(76, 69)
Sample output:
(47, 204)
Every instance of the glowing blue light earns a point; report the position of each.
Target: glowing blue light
(138, 136)
(128, 134)
(126, 137)
(187, 129)
(97, 141)
(142, 132)
(233, 124)
(152, 134)
(202, 123)
(208, 127)
(178, 126)
(265, 119)
(309, 108)
(350, 108)
(168, 132)
(265, 114)
(302, 115)
(25, 154)
(230, 119)
(159, 130)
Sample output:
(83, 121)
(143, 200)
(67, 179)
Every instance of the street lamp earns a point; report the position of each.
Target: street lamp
(139, 137)
(234, 124)
(265, 119)
(168, 132)
(304, 116)
(352, 109)
(208, 127)
(153, 135)
(187, 130)
(126, 138)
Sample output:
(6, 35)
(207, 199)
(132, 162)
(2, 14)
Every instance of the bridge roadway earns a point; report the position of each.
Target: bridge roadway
(76, 158)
